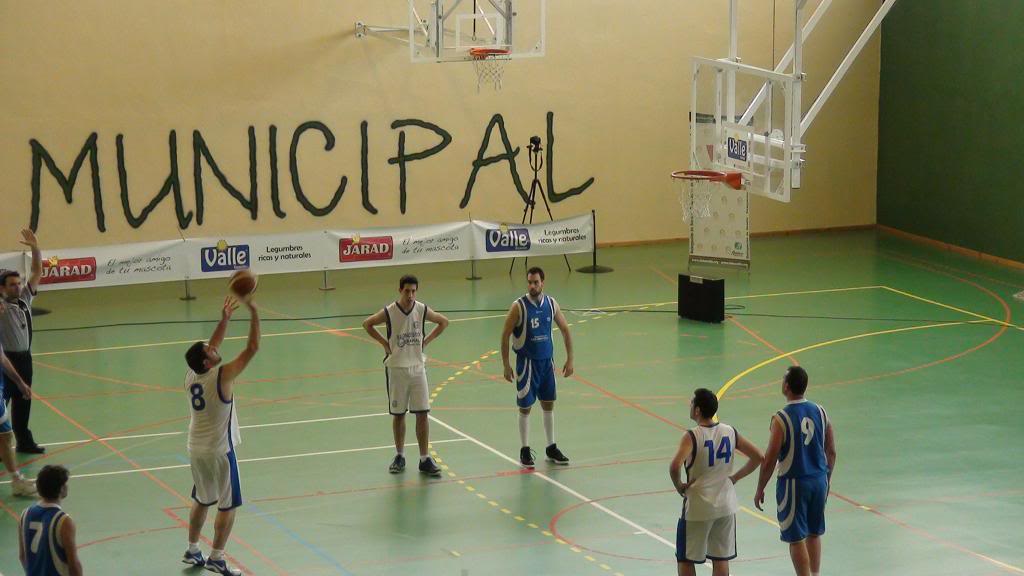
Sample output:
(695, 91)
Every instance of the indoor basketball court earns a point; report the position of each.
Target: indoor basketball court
(645, 155)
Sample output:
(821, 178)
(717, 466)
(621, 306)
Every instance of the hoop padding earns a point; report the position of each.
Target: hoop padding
(489, 64)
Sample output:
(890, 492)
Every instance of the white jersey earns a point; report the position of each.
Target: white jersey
(406, 330)
(213, 429)
(710, 493)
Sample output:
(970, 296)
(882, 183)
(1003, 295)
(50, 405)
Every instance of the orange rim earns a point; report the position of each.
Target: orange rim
(732, 179)
(482, 53)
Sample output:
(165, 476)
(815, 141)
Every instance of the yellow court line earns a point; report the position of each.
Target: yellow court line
(954, 308)
(759, 516)
(725, 388)
(801, 292)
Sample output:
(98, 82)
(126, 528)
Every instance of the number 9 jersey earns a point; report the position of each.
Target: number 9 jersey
(803, 444)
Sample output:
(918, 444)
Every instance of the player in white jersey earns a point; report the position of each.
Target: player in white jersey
(405, 367)
(707, 528)
(212, 437)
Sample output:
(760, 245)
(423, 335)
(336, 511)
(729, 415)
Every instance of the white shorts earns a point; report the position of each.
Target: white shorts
(216, 480)
(407, 389)
(698, 540)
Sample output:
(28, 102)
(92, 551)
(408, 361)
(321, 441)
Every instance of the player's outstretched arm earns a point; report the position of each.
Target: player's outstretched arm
(232, 369)
(676, 466)
(26, 392)
(67, 538)
(510, 324)
(754, 458)
(29, 239)
(563, 327)
(230, 305)
(376, 320)
(771, 456)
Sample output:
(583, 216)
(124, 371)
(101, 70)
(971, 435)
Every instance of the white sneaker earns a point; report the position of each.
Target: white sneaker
(23, 487)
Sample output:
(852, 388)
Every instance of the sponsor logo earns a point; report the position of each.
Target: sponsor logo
(222, 257)
(506, 239)
(737, 149)
(359, 249)
(57, 271)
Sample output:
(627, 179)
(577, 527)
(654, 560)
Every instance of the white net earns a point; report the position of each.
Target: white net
(490, 69)
(1019, 295)
(694, 197)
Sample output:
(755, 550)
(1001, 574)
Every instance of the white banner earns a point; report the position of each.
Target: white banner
(568, 236)
(196, 258)
(397, 246)
(114, 265)
(265, 254)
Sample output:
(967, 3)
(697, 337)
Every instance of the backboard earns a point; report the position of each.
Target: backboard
(446, 30)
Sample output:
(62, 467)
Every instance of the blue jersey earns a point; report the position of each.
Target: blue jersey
(803, 445)
(40, 529)
(532, 336)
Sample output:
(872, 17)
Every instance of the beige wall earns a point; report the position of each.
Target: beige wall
(616, 79)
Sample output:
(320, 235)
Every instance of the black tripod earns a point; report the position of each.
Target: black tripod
(536, 163)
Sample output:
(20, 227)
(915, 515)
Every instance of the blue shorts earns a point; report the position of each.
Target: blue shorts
(801, 507)
(534, 379)
(5, 418)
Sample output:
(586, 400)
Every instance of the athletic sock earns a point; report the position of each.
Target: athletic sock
(524, 429)
(549, 426)
(216, 554)
(193, 548)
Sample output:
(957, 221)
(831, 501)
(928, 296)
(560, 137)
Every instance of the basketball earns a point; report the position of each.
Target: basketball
(242, 283)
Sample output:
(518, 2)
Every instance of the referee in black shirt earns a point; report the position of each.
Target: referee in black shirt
(16, 336)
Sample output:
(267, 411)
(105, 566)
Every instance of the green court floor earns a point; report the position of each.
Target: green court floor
(915, 353)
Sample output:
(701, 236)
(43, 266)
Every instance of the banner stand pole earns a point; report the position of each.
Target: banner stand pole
(472, 271)
(594, 268)
(326, 287)
(188, 291)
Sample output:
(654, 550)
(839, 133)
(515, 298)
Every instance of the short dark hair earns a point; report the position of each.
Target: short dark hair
(706, 401)
(50, 480)
(536, 270)
(408, 279)
(796, 378)
(8, 274)
(195, 356)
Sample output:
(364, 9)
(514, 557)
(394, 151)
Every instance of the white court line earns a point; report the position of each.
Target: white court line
(179, 433)
(559, 485)
(263, 459)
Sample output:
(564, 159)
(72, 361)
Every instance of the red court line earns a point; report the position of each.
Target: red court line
(553, 525)
(615, 396)
(151, 387)
(769, 345)
(898, 256)
(177, 526)
(10, 511)
(928, 535)
(157, 481)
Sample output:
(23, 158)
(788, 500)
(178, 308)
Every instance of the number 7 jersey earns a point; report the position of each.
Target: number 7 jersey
(803, 442)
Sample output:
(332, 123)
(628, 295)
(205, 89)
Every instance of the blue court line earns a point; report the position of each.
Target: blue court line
(294, 536)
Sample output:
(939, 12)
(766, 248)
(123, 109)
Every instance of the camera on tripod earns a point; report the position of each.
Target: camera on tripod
(535, 144)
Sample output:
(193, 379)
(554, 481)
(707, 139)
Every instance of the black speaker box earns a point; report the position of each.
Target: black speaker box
(701, 299)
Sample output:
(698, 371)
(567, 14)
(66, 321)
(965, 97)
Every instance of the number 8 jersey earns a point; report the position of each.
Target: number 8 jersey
(213, 428)
(803, 443)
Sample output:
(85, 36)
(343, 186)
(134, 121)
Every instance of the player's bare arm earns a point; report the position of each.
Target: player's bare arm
(232, 369)
(511, 320)
(754, 458)
(370, 326)
(676, 466)
(563, 327)
(441, 324)
(67, 538)
(771, 456)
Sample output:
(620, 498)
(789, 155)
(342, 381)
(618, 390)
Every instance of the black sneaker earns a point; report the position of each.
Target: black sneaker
(32, 449)
(526, 457)
(397, 465)
(555, 455)
(429, 468)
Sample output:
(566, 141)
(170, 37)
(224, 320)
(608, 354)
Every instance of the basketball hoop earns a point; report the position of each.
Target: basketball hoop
(695, 190)
(490, 65)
